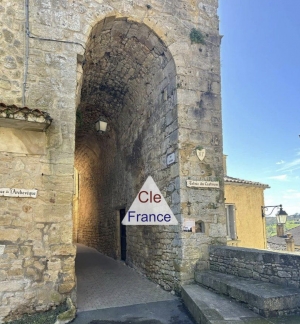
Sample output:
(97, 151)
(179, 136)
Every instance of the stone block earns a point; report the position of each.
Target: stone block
(4, 311)
(63, 250)
(217, 230)
(66, 287)
(5, 84)
(11, 285)
(10, 234)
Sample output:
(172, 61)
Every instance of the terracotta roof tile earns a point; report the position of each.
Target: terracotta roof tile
(241, 181)
(25, 113)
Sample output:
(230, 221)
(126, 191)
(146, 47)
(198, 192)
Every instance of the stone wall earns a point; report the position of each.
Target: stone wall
(200, 125)
(37, 264)
(136, 82)
(275, 267)
(12, 52)
(280, 247)
(45, 60)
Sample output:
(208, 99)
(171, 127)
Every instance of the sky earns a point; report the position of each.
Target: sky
(260, 69)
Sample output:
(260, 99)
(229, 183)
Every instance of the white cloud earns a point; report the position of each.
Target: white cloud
(282, 177)
(293, 195)
(280, 162)
(290, 206)
(291, 166)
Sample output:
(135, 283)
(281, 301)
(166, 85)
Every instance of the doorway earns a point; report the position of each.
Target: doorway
(123, 242)
(128, 82)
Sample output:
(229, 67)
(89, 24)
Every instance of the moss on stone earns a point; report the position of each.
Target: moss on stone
(69, 314)
(48, 317)
(196, 36)
(56, 297)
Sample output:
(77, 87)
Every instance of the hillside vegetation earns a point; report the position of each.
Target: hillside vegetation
(271, 228)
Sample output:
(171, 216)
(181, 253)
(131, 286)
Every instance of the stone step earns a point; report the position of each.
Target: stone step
(266, 299)
(208, 307)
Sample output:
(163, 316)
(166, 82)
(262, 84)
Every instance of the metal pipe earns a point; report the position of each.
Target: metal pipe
(26, 40)
(27, 36)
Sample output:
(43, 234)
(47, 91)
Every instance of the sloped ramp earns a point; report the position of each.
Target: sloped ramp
(103, 282)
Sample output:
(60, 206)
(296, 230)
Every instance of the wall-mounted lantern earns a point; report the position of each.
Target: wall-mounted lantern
(101, 126)
(280, 216)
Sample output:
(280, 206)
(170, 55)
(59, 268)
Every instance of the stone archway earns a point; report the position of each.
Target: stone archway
(129, 81)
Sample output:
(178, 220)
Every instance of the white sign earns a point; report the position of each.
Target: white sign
(149, 207)
(170, 158)
(20, 193)
(2, 247)
(202, 184)
(189, 225)
(201, 154)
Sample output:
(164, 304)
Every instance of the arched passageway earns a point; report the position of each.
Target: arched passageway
(129, 81)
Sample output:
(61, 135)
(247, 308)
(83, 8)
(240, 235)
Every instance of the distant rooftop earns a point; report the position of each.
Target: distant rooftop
(281, 240)
(228, 179)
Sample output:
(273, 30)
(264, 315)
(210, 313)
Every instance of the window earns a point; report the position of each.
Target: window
(230, 221)
(200, 227)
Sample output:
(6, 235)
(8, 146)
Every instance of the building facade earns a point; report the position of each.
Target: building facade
(151, 70)
(244, 222)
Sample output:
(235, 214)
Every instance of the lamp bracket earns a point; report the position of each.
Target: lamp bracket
(266, 208)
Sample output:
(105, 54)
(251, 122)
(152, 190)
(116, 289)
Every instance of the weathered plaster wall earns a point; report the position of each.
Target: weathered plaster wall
(24, 142)
(58, 35)
(250, 225)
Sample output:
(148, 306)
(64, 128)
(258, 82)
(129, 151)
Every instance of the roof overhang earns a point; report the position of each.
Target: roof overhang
(240, 182)
(24, 118)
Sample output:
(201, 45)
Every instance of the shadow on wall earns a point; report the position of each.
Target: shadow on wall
(129, 82)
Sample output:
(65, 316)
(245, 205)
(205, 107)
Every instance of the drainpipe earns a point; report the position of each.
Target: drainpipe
(26, 40)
